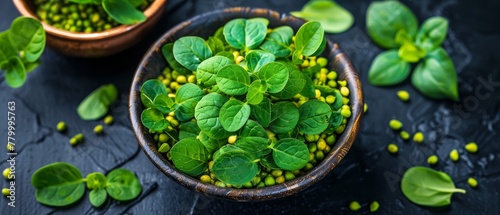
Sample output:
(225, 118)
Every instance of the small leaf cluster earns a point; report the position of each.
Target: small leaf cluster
(393, 26)
(246, 79)
(60, 184)
(20, 49)
(123, 11)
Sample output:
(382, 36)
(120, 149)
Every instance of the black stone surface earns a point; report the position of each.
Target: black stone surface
(368, 173)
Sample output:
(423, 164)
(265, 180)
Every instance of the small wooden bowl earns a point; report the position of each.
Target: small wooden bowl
(205, 25)
(97, 44)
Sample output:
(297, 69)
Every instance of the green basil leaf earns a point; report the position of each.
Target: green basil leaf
(388, 69)
(208, 69)
(168, 53)
(234, 114)
(233, 80)
(235, 167)
(435, 77)
(15, 73)
(290, 154)
(255, 146)
(333, 17)
(186, 98)
(314, 117)
(215, 44)
(253, 129)
(163, 103)
(123, 185)
(207, 115)
(278, 42)
(275, 75)
(284, 117)
(58, 184)
(268, 162)
(256, 92)
(245, 34)
(309, 38)
(385, 18)
(190, 51)
(150, 90)
(432, 33)
(256, 59)
(153, 119)
(428, 187)
(211, 144)
(188, 129)
(123, 11)
(96, 104)
(27, 34)
(262, 112)
(96, 180)
(97, 197)
(295, 84)
(190, 156)
(411, 53)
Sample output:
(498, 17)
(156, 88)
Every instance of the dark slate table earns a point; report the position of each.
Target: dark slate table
(368, 173)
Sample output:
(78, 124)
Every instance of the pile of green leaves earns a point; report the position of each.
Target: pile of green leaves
(61, 184)
(393, 26)
(20, 49)
(428, 187)
(123, 11)
(333, 17)
(248, 99)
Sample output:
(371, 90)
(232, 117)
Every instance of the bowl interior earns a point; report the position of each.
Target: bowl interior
(205, 25)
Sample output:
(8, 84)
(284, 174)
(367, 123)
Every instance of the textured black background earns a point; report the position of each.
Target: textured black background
(368, 173)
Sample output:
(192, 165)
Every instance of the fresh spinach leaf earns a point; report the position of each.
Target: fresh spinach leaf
(211, 144)
(338, 101)
(207, 115)
(190, 156)
(215, 44)
(233, 80)
(226, 149)
(208, 69)
(284, 117)
(27, 34)
(268, 162)
(255, 146)
(97, 197)
(290, 154)
(153, 119)
(278, 42)
(123, 11)
(294, 85)
(310, 38)
(150, 90)
(432, 33)
(256, 92)
(275, 75)
(234, 114)
(186, 99)
(163, 103)
(188, 129)
(235, 167)
(168, 53)
(314, 117)
(245, 34)
(334, 121)
(428, 187)
(15, 73)
(262, 112)
(253, 129)
(256, 59)
(190, 51)
(388, 69)
(123, 185)
(96, 104)
(333, 17)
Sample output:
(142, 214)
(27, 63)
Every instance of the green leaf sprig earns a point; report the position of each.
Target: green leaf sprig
(333, 17)
(123, 11)
(428, 187)
(20, 49)
(393, 26)
(60, 184)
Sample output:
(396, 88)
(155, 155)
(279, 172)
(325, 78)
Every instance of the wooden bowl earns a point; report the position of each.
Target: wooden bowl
(97, 44)
(205, 25)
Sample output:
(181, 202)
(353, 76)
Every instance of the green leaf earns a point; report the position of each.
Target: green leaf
(136, 3)
(295, 84)
(226, 149)
(256, 92)
(314, 117)
(226, 54)
(255, 146)
(153, 119)
(211, 144)
(284, 117)
(190, 156)
(233, 80)
(163, 103)
(262, 112)
(235, 167)
(97, 197)
(253, 129)
(245, 34)
(58, 184)
(27, 34)
(96, 104)
(123, 11)
(333, 17)
(6, 49)
(275, 75)
(260, 19)
(268, 162)
(428, 187)
(15, 73)
(188, 129)
(150, 90)
(96, 180)
(388, 69)
(411, 53)
(385, 18)
(335, 121)
(208, 69)
(234, 114)
(256, 59)
(215, 44)
(435, 77)
(338, 101)
(190, 51)
(432, 33)
(207, 115)
(168, 53)
(290, 154)
(186, 98)
(123, 185)
(278, 42)
(309, 38)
